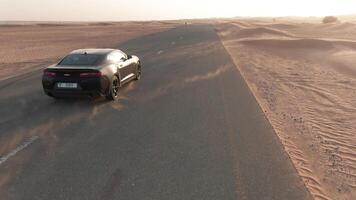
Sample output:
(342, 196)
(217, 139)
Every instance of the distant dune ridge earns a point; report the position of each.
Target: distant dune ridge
(304, 77)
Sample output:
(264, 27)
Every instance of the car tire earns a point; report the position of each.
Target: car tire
(49, 94)
(113, 89)
(52, 96)
(138, 73)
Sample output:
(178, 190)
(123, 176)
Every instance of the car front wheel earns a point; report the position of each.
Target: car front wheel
(138, 72)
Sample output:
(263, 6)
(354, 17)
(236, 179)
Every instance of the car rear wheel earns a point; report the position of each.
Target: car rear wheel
(138, 72)
(52, 96)
(114, 89)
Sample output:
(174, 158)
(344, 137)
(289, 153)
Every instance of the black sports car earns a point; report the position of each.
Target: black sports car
(91, 72)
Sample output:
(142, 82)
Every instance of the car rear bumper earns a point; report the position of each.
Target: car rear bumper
(86, 86)
(72, 93)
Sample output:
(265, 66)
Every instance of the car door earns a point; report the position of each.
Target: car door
(120, 61)
(132, 66)
(129, 68)
(123, 67)
(126, 68)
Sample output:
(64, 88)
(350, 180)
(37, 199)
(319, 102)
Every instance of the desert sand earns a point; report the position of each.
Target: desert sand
(35, 45)
(303, 74)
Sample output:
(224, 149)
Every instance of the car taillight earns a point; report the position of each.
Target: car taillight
(50, 74)
(90, 74)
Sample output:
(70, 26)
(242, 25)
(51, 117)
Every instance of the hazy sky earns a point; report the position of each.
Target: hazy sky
(99, 10)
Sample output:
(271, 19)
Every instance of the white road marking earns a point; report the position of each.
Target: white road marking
(159, 52)
(3, 159)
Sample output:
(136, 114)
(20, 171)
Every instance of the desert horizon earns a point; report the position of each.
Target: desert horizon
(344, 17)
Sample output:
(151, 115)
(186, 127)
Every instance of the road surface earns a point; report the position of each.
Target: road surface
(190, 129)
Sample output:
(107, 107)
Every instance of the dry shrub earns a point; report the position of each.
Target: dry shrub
(330, 19)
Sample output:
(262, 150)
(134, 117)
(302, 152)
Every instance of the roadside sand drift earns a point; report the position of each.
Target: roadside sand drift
(304, 77)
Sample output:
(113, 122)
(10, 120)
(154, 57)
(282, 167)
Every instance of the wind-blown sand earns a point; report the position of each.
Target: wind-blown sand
(25, 47)
(304, 77)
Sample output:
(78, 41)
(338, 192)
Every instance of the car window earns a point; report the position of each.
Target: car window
(116, 56)
(81, 59)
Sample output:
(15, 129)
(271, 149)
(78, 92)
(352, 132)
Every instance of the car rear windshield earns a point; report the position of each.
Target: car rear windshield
(82, 59)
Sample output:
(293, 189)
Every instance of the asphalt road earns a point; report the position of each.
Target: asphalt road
(190, 129)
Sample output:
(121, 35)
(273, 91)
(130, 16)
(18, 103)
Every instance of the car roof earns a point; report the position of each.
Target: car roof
(93, 51)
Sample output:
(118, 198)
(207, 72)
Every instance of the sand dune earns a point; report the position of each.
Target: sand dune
(294, 43)
(241, 24)
(281, 26)
(304, 77)
(236, 31)
(254, 32)
(321, 44)
(342, 26)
